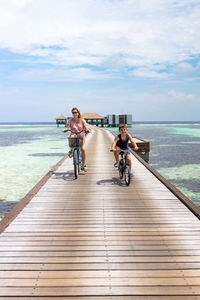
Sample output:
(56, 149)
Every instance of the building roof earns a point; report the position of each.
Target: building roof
(61, 117)
(91, 116)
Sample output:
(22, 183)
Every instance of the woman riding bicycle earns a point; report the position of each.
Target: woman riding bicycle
(121, 142)
(77, 124)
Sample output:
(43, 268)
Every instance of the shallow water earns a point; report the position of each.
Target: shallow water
(28, 152)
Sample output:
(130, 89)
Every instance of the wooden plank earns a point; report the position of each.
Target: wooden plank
(116, 297)
(99, 282)
(100, 266)
(94, 228)
(99, 291)
(99, 243)
(121, 221)
(101, 273)
(100, 234)
(100, 259)
(96, 253)
(95, 238)
(141, 248)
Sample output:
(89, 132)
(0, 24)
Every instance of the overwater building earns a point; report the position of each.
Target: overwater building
(95, 119)
(61, 120)
(115, 120)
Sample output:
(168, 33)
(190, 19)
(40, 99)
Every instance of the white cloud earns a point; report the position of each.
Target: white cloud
(148, 73)
(115, 34)
(179, 95)
(186, 68)
(61, 75)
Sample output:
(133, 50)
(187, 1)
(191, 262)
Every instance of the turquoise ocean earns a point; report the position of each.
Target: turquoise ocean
(29, 150)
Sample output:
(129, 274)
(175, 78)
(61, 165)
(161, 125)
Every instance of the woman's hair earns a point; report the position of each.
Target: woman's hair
(79, 114)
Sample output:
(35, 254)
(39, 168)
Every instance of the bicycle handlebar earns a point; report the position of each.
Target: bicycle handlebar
(119, 150)
(74, 131)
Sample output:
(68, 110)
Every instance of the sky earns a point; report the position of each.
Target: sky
(106, 56)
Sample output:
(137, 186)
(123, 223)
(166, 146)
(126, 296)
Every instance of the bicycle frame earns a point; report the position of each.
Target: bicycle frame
(123, 160)
(76, 152)
(76, 148)
(123, 166)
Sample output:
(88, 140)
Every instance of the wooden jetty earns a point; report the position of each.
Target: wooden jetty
(94, 238)
(144, 148)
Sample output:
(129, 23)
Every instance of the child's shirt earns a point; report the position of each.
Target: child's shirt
(123, 144)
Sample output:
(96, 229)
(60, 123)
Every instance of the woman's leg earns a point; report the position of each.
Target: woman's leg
(83, 154)
(70, 153)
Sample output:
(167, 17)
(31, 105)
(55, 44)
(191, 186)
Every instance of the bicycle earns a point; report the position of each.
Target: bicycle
(123, 167)
(76, 142)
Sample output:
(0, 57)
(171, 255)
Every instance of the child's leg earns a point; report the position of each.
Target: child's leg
(116, 154)
(128, 157)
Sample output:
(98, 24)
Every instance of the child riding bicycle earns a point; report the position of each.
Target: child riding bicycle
(121, 142)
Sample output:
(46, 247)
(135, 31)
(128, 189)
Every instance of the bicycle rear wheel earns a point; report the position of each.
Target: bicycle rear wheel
(127, 176)
(76, 164)
(121, 169)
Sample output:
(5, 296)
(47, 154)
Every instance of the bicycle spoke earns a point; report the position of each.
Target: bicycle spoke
(121, 167)
(76, 163)
(127, 176)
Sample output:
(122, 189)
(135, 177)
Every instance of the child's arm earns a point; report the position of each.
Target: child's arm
(114, 143)
(133, 142)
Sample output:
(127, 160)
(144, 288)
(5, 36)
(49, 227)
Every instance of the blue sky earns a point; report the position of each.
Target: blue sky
(105, 56)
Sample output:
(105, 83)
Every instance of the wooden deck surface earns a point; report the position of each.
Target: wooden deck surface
(95, 238)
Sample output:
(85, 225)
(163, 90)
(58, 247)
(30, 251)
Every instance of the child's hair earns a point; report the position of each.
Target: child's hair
(79, 114)
(122, 126)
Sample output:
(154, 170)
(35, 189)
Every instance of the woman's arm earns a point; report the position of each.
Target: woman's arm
(66, 128)
(86, 127)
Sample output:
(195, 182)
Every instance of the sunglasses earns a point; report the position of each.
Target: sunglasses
(74, 112)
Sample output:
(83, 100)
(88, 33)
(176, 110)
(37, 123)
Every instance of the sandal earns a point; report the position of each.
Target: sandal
(84, 168)
(70, 154)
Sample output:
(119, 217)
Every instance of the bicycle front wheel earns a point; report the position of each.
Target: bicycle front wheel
(121, 169)
(76, 164)
(79, 160)
(127, 176)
